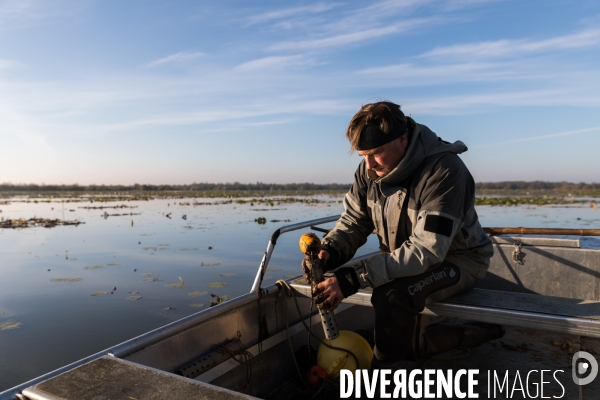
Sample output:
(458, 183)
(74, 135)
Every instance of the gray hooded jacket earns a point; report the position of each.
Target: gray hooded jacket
(422, 212)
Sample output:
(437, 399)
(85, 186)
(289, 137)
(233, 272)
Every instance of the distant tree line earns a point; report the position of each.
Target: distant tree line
(197, 187)
(507, 186)
(536, 186)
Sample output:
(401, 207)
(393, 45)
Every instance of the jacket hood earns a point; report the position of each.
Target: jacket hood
(424, 143)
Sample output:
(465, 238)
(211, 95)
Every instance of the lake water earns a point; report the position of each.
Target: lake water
(215, 250)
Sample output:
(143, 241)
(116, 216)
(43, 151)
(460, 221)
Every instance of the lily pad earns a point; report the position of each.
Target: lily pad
(114, 264)
(226, 297)
(290, 276)
(203, 264)
(133, 298)
(66, 279)
(152, 280)
(178, 285)
(216, 285)
(98, 293)
(94, 267)
(6, 326)
(197, 293)
(226, 275)
(197, 305)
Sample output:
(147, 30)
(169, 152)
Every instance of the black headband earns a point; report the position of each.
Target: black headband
(372, 136)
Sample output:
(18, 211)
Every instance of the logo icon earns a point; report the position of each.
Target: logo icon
(584, 364)
(452, 273)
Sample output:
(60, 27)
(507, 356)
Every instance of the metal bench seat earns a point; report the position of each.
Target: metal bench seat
(548, 313)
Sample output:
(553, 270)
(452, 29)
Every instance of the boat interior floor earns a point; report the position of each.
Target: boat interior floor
(515, 355)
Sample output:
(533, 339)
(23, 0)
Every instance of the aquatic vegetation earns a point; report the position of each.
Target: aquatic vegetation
(177, 285)
(216, 285)
(226, 275)
(7, 326)
(147, 274)
(260, 220)
(267, 277)
(290, 276)
(93, 267)
(114, 264)
(273, 269)
(66, 279)
(36, 222)
(98, 293)
(133, 298)
(153, 280)
(203, 264)
(526, 200)
(1, 312)
(197, 305)
(219, 299)
(197, 293)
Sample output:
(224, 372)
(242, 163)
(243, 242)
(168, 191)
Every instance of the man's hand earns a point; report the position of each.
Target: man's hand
(328, 294)
(323, 256)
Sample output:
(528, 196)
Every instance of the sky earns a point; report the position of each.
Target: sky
(176, 92)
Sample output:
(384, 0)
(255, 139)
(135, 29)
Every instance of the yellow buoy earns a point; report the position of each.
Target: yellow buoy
(333, 360)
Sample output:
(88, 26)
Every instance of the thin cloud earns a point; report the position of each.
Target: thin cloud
(426, 75)
(6, 63)
(16, 14)
(541, 137)
(275, 62)
(349, 38)
(290, 12)
(509, 48)
(176, 58)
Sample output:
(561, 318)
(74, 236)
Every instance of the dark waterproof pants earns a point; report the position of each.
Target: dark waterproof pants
(398, 331)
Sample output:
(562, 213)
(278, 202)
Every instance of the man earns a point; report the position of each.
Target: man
(416, 194)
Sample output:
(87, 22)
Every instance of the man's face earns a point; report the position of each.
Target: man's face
(383, 159)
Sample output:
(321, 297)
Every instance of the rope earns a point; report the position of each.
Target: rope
(246, 357)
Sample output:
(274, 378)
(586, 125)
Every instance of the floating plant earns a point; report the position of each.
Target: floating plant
(226, 275)
(98, 293)
(114, 264)
(216, 285)
(93, 267)
(197, 305)
(203, 264)
(66, 279)
(7, 326)
(197, 293)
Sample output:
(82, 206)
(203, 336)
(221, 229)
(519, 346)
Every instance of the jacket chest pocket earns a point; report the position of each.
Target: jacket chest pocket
(377, 217)
(393, 217)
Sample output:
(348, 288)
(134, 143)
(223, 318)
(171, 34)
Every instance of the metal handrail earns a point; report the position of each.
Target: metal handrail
(273, 241)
